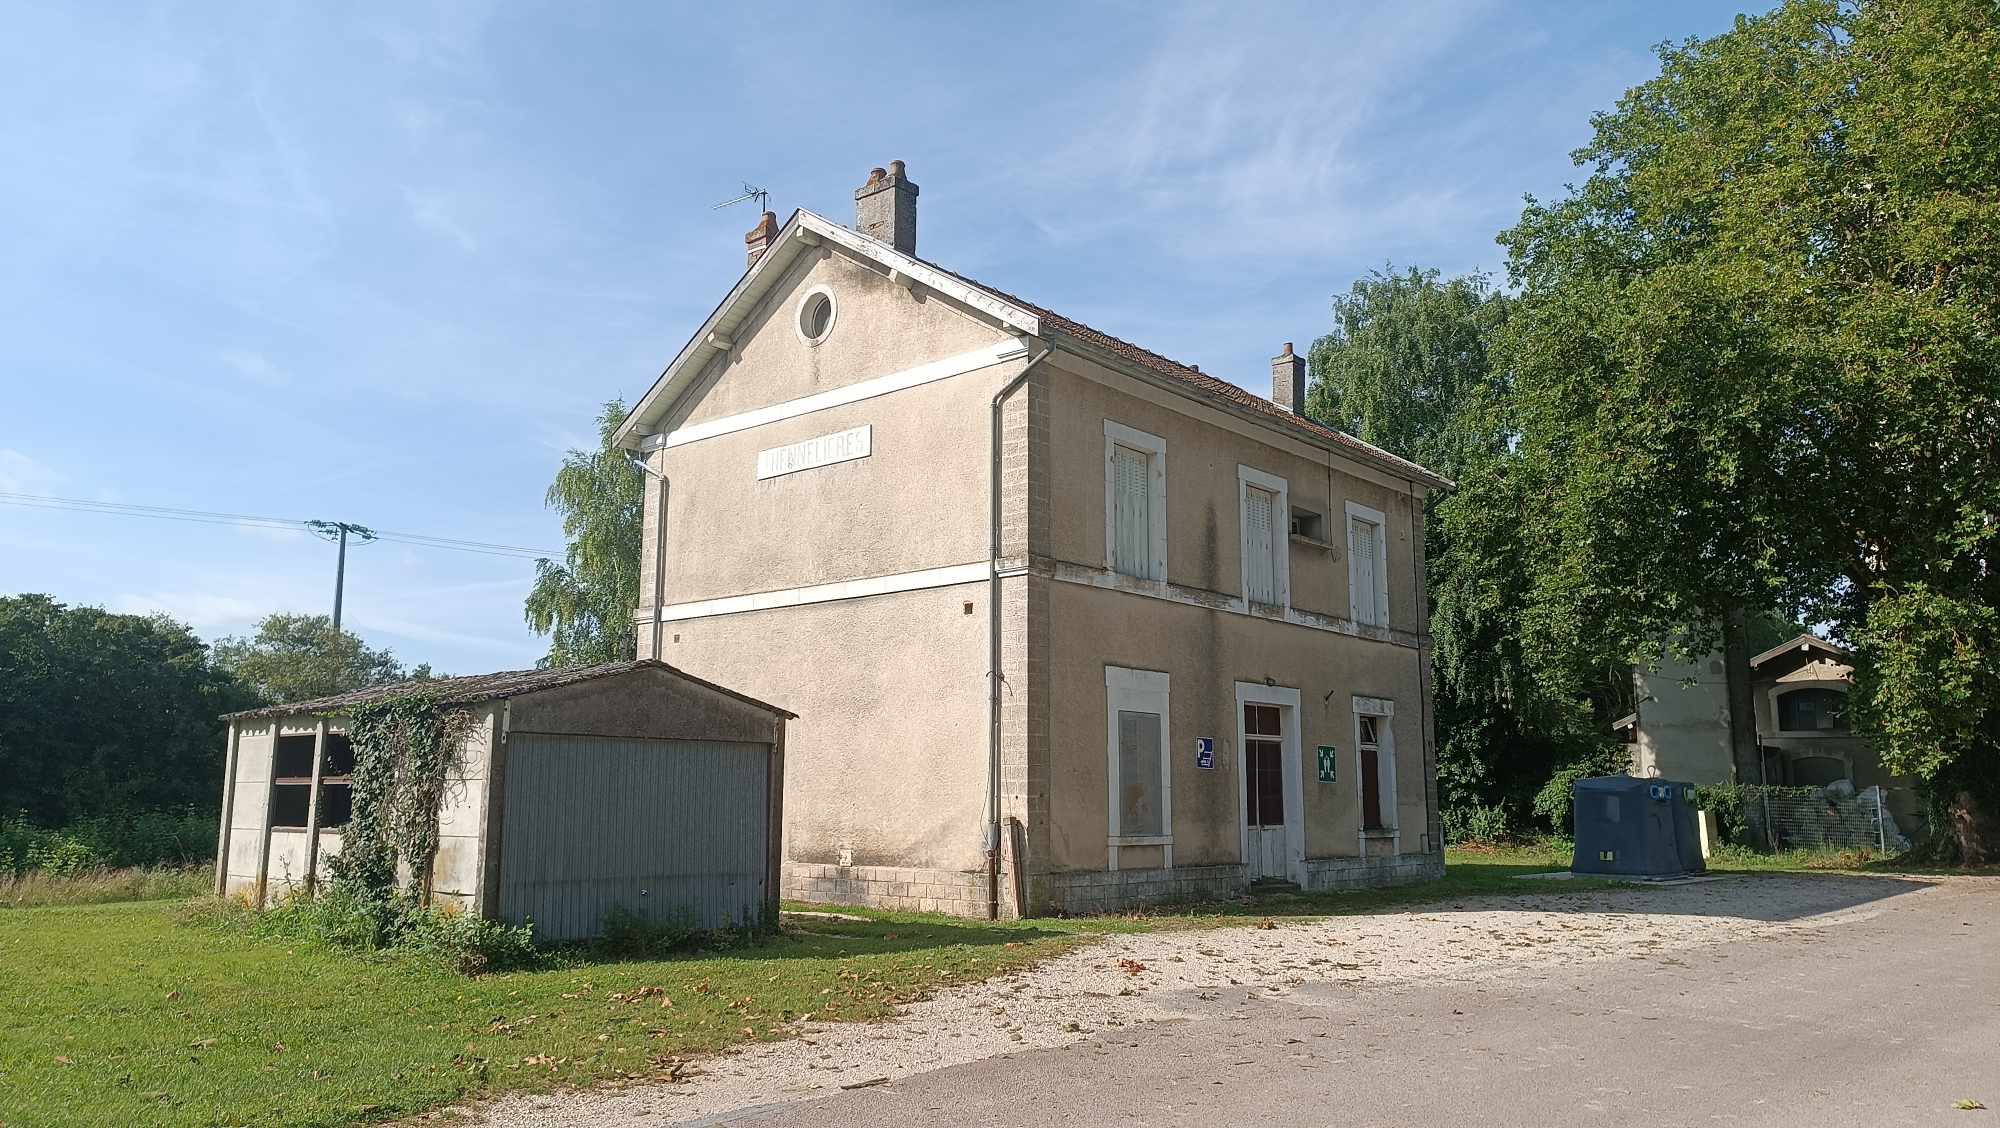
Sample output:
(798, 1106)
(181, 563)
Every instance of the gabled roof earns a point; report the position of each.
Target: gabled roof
(475, 688)
(807, 229)
(1805, 641)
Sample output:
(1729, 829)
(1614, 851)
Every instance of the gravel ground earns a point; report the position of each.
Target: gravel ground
(1169, 976)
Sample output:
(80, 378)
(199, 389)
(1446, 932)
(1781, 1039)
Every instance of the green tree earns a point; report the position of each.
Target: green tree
(104, 714)
(300, 657)
(1407, 367)
(585, 603)
(1755, 356)
(1406, 358)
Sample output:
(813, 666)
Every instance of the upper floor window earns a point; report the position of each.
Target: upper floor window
(1367, 566)
(1816, 709)
(1265, 507)
(1135, 502)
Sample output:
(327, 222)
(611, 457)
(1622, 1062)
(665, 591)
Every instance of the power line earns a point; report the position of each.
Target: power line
(246, 520)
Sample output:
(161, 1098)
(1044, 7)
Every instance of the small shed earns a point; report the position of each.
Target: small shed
(629, 784)
(1635, 827)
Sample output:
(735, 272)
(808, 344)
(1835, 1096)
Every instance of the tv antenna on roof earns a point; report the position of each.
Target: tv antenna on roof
(750, 192)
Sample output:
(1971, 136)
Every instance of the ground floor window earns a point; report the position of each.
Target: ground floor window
(1375, 755)
(1139, 770)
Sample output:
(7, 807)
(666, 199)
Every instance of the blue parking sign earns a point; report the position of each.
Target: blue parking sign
(1204, 753)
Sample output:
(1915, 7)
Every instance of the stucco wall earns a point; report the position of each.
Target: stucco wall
(770, 363)
(1684, 721)
(927, 470)
(886, 765)
(1204, 547)
(1205, 652)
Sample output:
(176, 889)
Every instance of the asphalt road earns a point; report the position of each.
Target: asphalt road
(1885, 1016)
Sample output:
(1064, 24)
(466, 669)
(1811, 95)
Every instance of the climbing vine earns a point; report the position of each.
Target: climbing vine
(404, 748)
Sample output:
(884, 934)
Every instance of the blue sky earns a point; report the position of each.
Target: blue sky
(381, 263)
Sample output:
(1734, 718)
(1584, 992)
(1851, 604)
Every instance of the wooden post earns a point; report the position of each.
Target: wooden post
(228, 813)
(312, 807)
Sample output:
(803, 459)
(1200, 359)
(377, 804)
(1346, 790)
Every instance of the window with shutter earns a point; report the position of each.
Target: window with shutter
(1132, 506)
(1364, 547)
(1261, 566)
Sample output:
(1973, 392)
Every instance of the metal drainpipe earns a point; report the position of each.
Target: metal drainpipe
(638, 459)
(993, 644)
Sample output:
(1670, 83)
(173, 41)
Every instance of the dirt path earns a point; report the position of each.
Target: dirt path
(1126, 981)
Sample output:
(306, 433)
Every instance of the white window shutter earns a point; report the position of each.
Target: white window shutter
(1258, 541)
(1132, 548)
(1363, 544)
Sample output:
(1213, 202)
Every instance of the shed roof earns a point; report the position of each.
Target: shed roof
(1807, 641)
(473, 688)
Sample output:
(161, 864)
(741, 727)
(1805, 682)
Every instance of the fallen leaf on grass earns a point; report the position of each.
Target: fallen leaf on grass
(1267, 924)
(61, 1060)
(1130, 966)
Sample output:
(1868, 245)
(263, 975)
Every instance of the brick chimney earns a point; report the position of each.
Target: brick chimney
(886, 208)
(1288, 381)
(760, 238)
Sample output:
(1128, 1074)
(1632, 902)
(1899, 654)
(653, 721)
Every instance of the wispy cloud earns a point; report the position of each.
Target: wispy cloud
(438, 213)
(20, 473)
(1230, 140)
(255, 367)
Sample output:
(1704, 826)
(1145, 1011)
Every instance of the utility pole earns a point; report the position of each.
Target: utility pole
(339, 531)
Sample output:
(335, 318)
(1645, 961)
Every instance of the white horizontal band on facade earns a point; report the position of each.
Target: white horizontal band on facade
(983, 357)
(948, 576)
(1108, 580)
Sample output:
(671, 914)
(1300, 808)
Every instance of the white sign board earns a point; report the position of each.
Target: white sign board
(825, 450)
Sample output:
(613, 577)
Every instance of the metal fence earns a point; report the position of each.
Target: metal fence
(1875, 818)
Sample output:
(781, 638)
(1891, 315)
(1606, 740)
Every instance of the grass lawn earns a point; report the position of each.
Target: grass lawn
(124, 1014)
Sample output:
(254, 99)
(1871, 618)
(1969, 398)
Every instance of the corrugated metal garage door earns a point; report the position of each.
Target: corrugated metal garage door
(667, 828)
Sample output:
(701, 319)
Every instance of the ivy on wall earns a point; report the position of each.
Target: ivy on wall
(405, 748)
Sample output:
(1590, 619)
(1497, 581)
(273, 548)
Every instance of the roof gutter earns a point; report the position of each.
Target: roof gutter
(1384, 461)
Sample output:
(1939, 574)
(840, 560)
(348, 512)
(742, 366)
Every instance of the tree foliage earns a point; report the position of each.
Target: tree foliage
(1408, 367)
(585, 603)
(104, 714)
(300, 657)
(1406, 358)
(1755, 362)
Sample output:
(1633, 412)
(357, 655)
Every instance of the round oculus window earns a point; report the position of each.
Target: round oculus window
(816, 316)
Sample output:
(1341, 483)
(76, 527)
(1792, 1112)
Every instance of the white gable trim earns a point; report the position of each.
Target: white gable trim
(983, 357)
(802, 232)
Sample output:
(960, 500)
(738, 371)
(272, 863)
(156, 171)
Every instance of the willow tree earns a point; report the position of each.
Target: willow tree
(585, 602)
(1757, 357)
(1407, 366)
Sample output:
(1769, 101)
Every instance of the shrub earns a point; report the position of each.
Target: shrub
(442, 936)
(1476, 823)
(467, 944)
(1556, 801)
(625, 934)
(115, 840)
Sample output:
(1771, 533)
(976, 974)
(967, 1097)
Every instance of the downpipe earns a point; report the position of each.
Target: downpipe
(994, 484)
(639, 459)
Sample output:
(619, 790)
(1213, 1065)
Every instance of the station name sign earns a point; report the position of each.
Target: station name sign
(808, 454)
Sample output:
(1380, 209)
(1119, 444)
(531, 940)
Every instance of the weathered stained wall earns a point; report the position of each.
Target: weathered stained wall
(456, 875)
(1683, 721)
(886, 765)
(1205, 652)
(1204, 448)
(926, 474)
